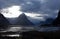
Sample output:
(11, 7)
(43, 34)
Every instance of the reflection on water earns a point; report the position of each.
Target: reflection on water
(14, 35)
(20, 29)
(15, 31)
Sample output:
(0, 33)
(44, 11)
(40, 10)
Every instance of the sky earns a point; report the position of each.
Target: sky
(36, 9)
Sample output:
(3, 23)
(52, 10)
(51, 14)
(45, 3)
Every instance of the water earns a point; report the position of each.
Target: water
(14, 35)
(49, 29)
(15, 31)
(24, 29)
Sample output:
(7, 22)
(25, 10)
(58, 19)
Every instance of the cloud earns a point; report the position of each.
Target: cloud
(8, 3)
(50, 7)
(26, 5)
(31, 6)
(53, 4)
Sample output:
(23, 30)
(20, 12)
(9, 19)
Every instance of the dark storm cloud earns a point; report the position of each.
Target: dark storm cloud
(46, 6)
(50, 7)
(31, 6)
(53, 4)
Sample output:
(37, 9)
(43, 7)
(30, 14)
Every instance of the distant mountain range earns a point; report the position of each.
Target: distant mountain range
(47, 21)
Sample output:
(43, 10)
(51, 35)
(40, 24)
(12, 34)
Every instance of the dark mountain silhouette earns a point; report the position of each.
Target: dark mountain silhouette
(23, 20)
(3, 22)
(57, 20)
(47, 22)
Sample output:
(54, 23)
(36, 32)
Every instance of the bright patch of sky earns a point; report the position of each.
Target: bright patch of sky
(11, 12)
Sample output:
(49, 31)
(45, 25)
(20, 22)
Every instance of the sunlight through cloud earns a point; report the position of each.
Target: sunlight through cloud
(12, 12)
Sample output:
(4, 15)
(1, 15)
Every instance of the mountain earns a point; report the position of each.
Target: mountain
(56, 22)
(23, 20)
(3, 22)
(47, 22)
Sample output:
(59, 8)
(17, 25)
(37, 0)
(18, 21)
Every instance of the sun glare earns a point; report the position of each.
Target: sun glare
(12, 12)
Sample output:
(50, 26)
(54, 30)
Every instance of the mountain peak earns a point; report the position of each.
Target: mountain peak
(23, 20)
(23, 14)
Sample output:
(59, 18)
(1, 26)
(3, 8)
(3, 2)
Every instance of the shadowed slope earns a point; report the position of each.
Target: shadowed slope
(23, 20)
(3, 22)
(57, 20)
